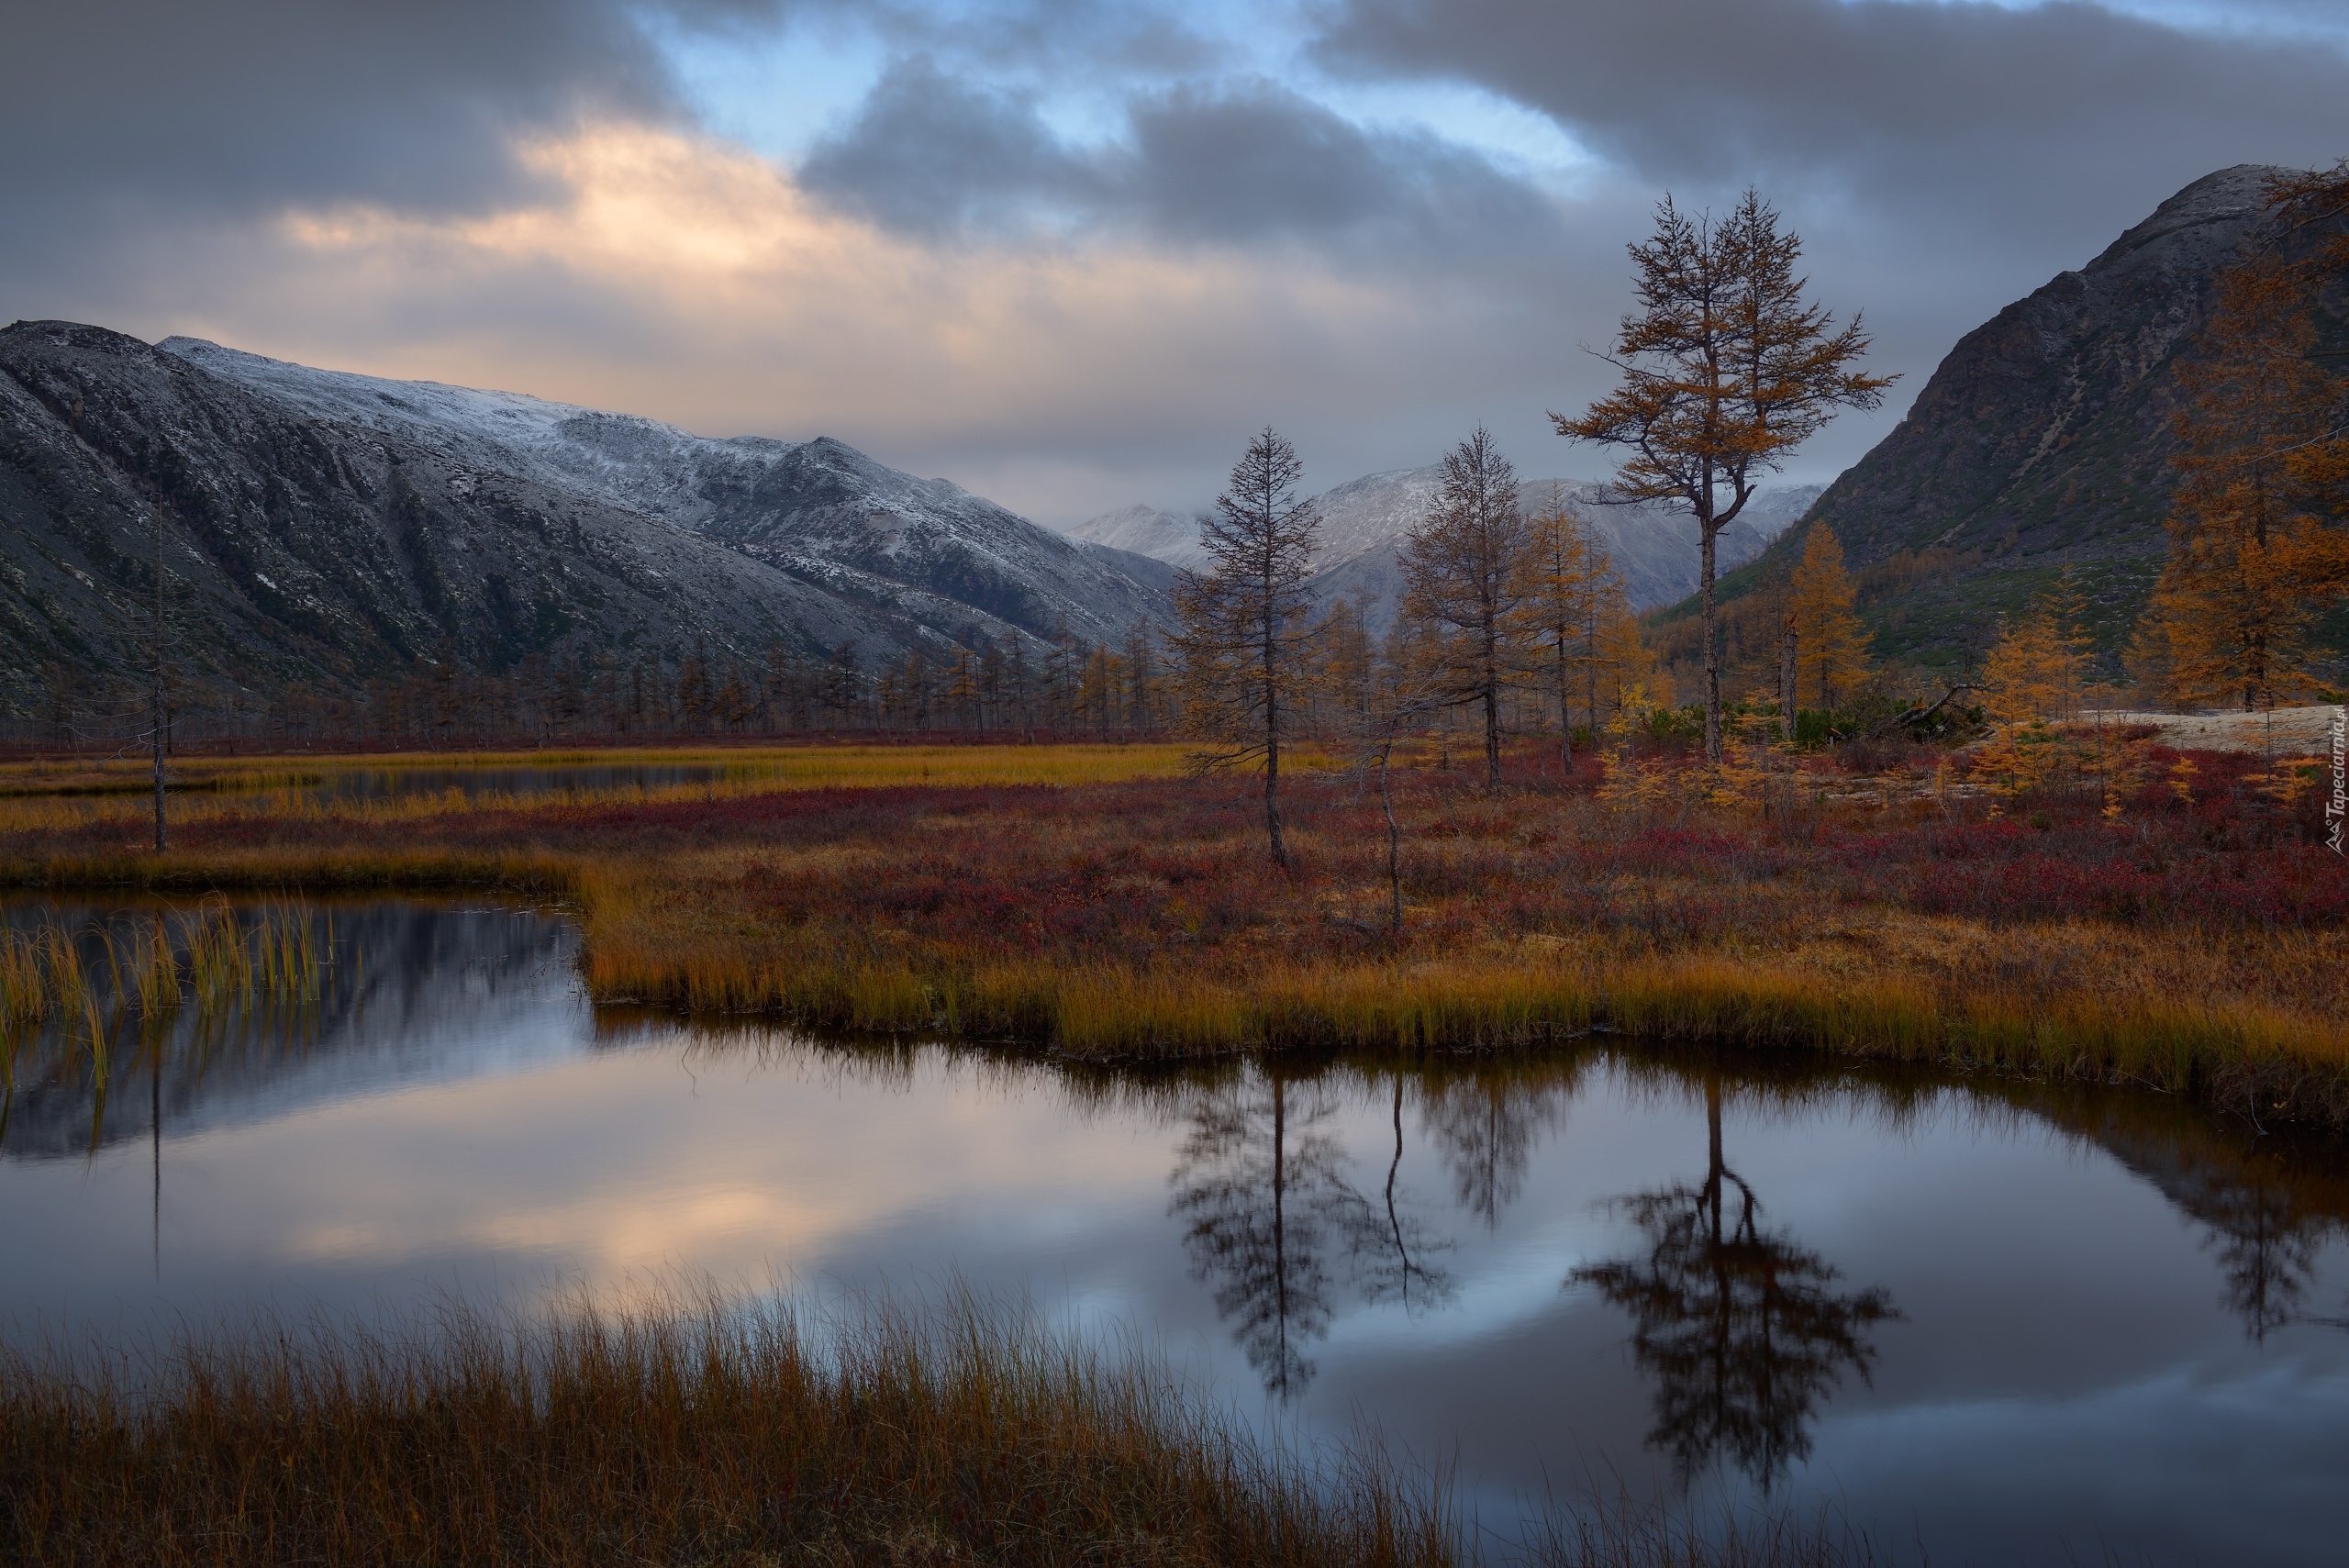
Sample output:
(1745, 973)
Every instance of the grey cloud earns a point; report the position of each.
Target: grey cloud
(1237, 164)
(2028, 114)
(1036, 38)
(232, 108)
(931, 154)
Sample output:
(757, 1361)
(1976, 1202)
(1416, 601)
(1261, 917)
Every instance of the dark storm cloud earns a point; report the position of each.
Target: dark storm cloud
(1240, 163)
(234, 107)
(2029, 111)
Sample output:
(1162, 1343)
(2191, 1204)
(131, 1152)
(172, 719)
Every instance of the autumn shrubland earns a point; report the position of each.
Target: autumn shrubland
(2050, 901)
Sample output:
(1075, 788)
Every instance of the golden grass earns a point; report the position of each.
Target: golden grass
(720, 1436)
(2247, 1017)
(2183, 1011)
(284, 790)
(742, 1436)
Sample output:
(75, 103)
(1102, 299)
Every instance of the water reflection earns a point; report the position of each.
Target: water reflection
(2264, 1222)
(1268, 1215)
(2111, 1309)
(399, 990)
(1741, 1330)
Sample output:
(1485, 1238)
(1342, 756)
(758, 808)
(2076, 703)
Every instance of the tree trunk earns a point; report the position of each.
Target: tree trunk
(1394, 844)
(1788, 654)
(1565, 707)
(1707, 534)
(161, 703)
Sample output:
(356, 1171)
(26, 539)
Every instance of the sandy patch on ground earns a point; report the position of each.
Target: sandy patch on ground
(2288, 731)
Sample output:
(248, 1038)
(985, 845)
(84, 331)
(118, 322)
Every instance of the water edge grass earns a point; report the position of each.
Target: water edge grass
(733, 1434)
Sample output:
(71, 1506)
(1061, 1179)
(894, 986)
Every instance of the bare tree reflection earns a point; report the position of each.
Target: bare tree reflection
(1488, 1126)
(1739, 1329)
(1391, 1257)
(1259, 1182)
(2266, 1229)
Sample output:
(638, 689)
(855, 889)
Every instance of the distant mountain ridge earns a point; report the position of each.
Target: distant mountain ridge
(331, 529)
(1364, 521)
(820, 509)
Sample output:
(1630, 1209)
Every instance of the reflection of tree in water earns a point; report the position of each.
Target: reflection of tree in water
(1270, 1216)
(2268, 1254)
(1486, 1127)
(2267, 1229)
(1391, 1257)
(1259, 1181)
(1739, 1328)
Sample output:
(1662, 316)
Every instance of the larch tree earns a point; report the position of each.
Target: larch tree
(1725, 368)
(1565, 571)
(1830, 645)
(2263, 471)
(2031, 672)
(1463, 573)
(1244, 621)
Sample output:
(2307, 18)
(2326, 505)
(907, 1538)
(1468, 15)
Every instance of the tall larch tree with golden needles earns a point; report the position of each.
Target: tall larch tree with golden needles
(1830, 645)
(1725, 368)
(1243, 628)
(1463, 573)
(1564, 572)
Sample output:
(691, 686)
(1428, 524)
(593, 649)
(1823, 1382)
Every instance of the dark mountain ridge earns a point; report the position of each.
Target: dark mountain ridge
(2044, 437)
(306, 542)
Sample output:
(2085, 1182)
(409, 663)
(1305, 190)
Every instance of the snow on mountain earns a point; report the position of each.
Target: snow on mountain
(318, 553)
(956, 563)
(1146, 530)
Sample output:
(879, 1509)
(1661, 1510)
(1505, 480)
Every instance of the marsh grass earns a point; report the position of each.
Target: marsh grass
(719, 1433)
(87, 998)
(283, 790)
(2198, 946)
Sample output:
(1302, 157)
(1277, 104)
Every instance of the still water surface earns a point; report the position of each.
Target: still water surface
(2006, 1323)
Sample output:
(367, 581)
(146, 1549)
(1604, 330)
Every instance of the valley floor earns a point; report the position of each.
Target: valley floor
(2177, 920)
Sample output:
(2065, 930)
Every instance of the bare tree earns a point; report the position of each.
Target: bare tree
(1464, 571)
(1244, 622)
(1726, 367)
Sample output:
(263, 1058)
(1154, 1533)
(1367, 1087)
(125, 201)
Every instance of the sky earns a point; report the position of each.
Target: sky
(1070, 255)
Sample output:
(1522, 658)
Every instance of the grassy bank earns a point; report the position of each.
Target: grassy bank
(721, 1437)
(2178, 924)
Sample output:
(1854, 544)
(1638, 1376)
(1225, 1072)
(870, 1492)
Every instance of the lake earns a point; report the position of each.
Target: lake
(2009, 1322)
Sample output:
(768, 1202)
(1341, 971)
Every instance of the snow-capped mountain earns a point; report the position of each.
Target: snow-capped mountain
(955, 563)
(1145, 531)
(1363, 522)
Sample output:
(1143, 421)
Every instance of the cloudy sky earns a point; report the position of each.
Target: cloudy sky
(1070, 254)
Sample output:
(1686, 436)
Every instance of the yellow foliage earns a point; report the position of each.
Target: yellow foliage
(1830, 645)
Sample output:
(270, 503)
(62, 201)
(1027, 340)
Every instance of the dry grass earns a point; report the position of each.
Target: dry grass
(723, 1436)
(2192, 939)
(37, 799)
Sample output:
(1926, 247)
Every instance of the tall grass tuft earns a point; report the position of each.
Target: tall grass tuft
(717, 1434)
(730, 1434)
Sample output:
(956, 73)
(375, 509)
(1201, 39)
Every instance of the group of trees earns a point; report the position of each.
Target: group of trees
(1013, 686)
(1514, 620)
(2263, 467)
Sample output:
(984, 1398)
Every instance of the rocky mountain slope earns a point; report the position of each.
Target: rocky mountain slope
(299, 550)
(1364, 520)
(329, 529)
(820, 510)
(2043, 437)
